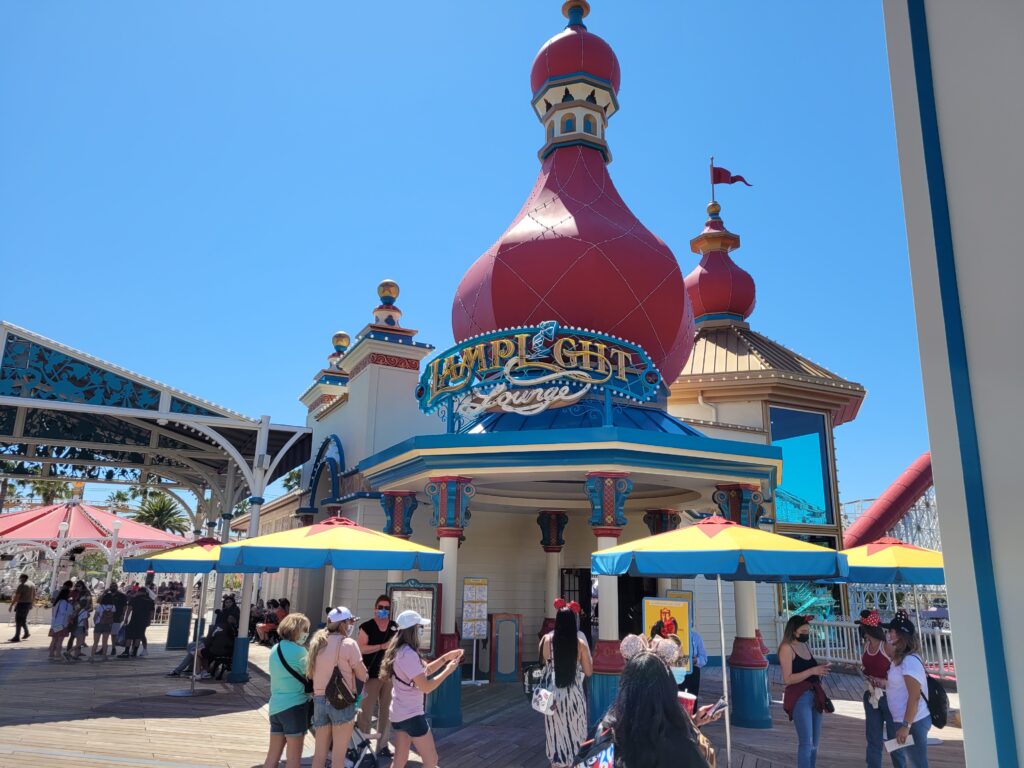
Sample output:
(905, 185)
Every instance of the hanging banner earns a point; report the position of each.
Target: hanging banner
(530, 369)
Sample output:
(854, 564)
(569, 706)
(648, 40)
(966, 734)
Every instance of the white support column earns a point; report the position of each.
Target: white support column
(608, 598)
(552, 578)
(448, 578)
(745, 596)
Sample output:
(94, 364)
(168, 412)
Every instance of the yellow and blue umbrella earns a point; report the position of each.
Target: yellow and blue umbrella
(721, 549)
(891, 561)
(199, 556)
(717, 547)
(337, 542)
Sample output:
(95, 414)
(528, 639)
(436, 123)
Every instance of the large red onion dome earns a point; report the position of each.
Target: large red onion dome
(578, 255)
(718, 289)
(572, 51)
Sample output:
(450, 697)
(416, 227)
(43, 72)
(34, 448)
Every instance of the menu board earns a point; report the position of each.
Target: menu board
(474, 609)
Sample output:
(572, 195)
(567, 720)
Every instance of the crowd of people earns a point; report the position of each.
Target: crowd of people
(896, 706)
(116, 616)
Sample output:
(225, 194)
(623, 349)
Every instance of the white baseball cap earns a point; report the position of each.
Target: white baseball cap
(341, 613)
(408, 619)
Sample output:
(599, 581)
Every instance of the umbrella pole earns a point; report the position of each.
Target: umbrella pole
(191, 690)
(892, 588)
(725, 677)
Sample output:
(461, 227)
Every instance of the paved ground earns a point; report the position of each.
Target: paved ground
(116, 714)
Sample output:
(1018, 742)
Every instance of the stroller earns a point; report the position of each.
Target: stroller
(359, 754)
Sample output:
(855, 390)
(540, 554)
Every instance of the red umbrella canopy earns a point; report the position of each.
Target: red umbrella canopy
(85, 523)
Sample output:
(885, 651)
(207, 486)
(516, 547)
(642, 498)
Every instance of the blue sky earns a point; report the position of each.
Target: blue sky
(205, 192)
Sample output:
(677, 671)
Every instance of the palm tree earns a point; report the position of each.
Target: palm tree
(47, 490)
(162, 512)
(119, 501)
(292, 479)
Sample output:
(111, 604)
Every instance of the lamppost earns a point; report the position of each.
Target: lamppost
(112, 556)
(62, 532)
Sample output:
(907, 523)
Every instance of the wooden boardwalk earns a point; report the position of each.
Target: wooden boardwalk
(115, 714)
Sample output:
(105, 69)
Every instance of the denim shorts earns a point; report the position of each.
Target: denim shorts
(414, 726)
(289, 722)
(324, 713)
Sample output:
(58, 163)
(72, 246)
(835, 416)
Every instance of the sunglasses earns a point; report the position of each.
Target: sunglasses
(383, 608)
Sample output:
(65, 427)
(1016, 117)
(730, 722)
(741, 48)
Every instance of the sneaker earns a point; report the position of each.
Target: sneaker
(205, 675)
(124, 655)
(172, 673)
(143, 653)
(25, 637)
(14, 640)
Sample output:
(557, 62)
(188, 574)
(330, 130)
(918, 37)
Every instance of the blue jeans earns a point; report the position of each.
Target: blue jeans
(917, 755)
(878, 726)
(808, 730)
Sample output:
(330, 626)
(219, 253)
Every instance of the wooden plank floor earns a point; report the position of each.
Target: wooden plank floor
(116, 714)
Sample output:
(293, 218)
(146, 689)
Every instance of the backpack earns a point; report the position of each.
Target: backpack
(936, 698)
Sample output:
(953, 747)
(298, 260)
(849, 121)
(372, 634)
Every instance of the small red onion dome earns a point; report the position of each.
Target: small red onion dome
(719, 289)
(575, 50)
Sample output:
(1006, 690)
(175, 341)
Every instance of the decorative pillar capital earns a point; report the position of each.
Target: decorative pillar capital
(449, 496)
(552, 524)
(398, 508)
(661, 520)
(739, 502)
(607, 492)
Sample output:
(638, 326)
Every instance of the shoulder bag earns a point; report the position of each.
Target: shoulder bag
(337, 692)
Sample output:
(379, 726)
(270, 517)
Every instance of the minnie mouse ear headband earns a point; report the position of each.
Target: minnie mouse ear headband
(901, 623)
(665, 649)
(632, 645)
(869, 619)
(572, 605)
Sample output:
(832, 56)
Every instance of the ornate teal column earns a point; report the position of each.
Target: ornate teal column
(398, 508)
(449, 496)
(607, 492)
(748, 667)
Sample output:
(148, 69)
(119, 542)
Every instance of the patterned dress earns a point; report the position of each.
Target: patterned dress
(566, 728)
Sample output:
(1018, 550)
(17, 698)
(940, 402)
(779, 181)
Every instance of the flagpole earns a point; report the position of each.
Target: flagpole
(711, 172)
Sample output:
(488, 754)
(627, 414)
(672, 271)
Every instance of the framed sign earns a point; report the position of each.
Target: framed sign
(670, 617)
(529, 369)
(474, 609)
(425, 599)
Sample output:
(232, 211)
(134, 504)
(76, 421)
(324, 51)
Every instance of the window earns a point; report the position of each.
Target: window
(588, 124)
(551, 129)
(805, 495)
(569, 123)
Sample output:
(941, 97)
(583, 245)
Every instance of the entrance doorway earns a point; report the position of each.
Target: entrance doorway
(576, 586)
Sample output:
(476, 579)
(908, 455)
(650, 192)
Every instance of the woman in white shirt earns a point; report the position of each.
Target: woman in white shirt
(59, 621)
(906, 689)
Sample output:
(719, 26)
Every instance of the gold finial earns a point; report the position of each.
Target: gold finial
(340, 341)
(714, 208)
(387, 291)
(569, 5)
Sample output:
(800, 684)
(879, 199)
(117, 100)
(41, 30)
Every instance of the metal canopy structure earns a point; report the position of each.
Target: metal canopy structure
(66, 415)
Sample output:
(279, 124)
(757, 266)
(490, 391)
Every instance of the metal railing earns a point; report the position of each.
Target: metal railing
(838, 642)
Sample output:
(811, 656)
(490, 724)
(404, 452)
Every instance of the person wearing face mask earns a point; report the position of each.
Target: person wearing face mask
(875, 661)
(373, 638)
(804, 699)
(333, 648)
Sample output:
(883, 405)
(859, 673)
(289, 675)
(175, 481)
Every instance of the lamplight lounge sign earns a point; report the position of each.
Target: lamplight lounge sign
(528, 370)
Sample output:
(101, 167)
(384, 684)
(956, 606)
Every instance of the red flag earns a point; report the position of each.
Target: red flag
(722, 176)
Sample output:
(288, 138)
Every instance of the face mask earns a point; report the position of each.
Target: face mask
(679, 674)
(302, 638)
(350, 630)
(383, 613)
(804, 638)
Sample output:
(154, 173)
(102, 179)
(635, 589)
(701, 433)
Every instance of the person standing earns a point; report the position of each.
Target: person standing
(906, 687)
(804, 699)
(331, 648)
(140, 613)
(374, 637)
(698, 660)
(102, 621)
(875, 663)
(60, 619)
(288, 695)
(80, 630)
(412, 682)
(120, 603)
(21, 603)
(567, 663)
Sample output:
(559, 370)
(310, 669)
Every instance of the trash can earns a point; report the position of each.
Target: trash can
(179, 629)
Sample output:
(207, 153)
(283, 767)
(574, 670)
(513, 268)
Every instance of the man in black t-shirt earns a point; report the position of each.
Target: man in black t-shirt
(374, 637)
